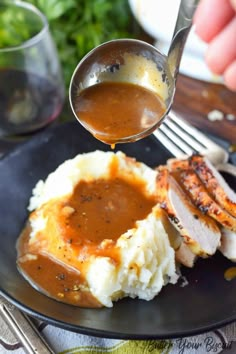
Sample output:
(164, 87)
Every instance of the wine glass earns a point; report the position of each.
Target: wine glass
(31, 83)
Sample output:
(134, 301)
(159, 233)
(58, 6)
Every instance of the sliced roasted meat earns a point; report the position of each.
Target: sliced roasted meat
(228, 244)
(173, 234)
(195, 189)
(185, 256)
(214, 183)
(198, 231)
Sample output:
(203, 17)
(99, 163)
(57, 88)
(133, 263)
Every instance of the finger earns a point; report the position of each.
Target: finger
(230, 76)
(222, 49)
(211, 16)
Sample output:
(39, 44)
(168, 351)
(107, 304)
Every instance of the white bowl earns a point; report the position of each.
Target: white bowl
(157, 18)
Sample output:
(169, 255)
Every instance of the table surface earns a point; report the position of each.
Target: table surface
(195, 99)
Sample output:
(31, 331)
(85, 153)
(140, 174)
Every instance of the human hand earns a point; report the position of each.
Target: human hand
(215, 23)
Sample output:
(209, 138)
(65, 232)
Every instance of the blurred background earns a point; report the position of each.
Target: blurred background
(77, 26)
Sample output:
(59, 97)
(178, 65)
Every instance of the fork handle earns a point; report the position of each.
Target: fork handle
(24, 329)
(227, 167)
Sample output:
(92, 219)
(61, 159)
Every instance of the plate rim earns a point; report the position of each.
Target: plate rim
(110, 334)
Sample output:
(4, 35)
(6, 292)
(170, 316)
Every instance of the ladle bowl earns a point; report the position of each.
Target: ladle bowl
(136, 62)
(125, 60)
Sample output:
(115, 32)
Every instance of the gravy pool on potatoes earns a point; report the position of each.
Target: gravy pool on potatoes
(98, 210)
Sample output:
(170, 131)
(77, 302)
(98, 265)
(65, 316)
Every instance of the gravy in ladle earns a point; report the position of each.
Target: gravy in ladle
(112, 111)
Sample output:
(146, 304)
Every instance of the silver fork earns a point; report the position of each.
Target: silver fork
(182, 140)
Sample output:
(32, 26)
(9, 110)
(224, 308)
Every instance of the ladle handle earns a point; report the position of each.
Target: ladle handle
(182, 28)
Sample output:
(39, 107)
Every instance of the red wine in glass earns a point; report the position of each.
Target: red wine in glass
(27, 101)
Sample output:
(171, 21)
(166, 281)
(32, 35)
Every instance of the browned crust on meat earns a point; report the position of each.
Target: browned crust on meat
(211, 183)
(164, 182)
(183, 172)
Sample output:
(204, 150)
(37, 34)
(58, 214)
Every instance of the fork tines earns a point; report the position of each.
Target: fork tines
(182, 139)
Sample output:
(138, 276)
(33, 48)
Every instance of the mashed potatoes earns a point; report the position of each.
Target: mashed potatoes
(95, 220)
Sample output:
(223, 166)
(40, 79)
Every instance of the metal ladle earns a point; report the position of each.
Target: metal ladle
(137, 62)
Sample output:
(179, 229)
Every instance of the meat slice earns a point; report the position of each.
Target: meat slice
(214, 183)
(193, 186)
(228, 244)
(173, 234)
(183, 254)
(198, 231)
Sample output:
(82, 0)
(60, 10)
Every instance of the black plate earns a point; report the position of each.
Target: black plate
(209, 301)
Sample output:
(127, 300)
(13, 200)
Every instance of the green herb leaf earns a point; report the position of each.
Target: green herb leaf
(77, 26)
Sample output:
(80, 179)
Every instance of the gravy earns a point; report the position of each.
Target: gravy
(76, 228)
(105, 209)
(230, 273)
(112, 111)
(52, 278)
